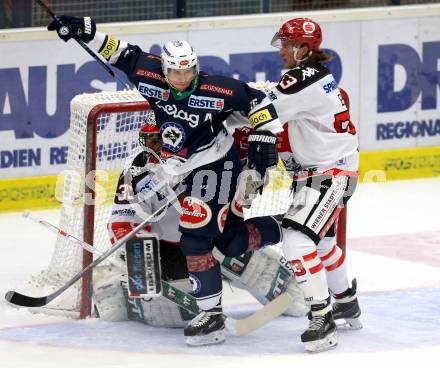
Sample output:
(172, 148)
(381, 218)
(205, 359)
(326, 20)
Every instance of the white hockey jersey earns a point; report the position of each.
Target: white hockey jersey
(135, 200)
(321, 134)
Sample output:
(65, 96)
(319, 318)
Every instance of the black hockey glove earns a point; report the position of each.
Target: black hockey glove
(67, 27)
(263, 151)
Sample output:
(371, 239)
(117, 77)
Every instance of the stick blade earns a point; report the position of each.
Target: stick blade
(22, 300)
(264, 315)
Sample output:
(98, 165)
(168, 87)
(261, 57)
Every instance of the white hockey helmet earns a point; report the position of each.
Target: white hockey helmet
(179, 55)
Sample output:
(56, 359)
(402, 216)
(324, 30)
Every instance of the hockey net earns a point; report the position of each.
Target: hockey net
(103, 139)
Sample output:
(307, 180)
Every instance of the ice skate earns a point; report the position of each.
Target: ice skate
(207, 328)
(346, 310)
(321, 334)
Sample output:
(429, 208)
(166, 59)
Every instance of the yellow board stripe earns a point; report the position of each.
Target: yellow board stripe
(407, 163)
(410, 163)
(33, 193)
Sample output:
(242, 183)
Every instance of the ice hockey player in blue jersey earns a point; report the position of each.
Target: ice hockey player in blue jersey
(190, 108)
(263, 273)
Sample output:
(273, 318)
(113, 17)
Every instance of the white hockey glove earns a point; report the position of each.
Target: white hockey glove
(67, 27)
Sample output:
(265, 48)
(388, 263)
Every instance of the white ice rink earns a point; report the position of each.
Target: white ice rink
(393, 250)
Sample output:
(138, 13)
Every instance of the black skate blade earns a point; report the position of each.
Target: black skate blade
(24, 300)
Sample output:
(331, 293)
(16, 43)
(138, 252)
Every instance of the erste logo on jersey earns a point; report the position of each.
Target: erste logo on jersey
(195, 213)
(173, 136)
(155, 92)
(201, 102)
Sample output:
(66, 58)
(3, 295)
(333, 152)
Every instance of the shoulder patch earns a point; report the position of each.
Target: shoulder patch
(295, 80)
(150, 74)
(216, 89)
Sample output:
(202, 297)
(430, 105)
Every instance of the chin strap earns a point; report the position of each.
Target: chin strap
(300, 61)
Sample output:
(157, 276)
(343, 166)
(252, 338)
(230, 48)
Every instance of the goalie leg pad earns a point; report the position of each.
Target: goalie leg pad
(143, 265)
(108, 296)
(158, 312)
(263, 274)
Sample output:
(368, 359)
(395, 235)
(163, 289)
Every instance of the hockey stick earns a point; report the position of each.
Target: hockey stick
(238, 326)
(83, 44)
(17, 298)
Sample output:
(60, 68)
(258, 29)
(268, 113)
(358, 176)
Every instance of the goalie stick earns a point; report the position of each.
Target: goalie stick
(17, 298)
(238, 326)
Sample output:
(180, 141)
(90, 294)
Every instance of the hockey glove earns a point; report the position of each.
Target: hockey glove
(263, 151)
(67, 27)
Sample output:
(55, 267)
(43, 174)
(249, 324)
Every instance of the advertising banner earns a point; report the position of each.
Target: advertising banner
(390, 67)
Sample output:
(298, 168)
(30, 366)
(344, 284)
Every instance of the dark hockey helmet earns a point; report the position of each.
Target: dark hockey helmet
(299, 32)
(150, 137)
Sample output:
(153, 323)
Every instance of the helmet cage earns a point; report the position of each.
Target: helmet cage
(150, 140)
(150, 137)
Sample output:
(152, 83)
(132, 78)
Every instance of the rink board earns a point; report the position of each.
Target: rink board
(391, 78)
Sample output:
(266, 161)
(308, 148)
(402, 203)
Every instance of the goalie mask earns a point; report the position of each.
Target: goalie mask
(150, 138)
(297, 33)
(179, 64)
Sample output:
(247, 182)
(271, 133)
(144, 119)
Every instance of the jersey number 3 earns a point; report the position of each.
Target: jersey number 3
(343, 123)
(287, 81)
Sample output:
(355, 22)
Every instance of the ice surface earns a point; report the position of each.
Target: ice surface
(393, 250)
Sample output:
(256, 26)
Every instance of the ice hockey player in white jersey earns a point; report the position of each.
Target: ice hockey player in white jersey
(324, 143)
(263, 273)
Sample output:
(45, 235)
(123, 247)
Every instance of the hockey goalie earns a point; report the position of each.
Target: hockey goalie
(261, 272)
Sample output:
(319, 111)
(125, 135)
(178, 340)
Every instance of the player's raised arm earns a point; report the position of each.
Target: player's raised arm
(84, 29)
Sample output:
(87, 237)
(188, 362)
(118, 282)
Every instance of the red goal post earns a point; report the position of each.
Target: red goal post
(129, 107)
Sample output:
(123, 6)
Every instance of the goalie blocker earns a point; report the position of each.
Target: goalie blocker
(143, 266)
